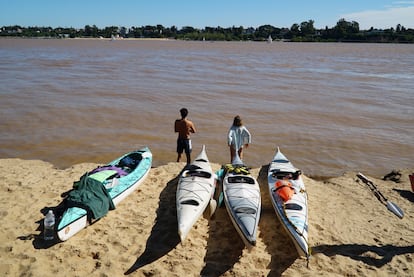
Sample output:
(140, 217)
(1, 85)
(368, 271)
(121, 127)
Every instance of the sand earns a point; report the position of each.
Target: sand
(351, 233)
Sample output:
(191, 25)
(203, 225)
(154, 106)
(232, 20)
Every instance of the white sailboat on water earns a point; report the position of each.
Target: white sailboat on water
(269, 39)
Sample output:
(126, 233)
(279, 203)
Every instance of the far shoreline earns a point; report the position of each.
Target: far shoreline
(87, 38)
(275, 41)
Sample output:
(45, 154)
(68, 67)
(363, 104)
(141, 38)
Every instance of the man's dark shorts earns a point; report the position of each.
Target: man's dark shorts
(184, 145)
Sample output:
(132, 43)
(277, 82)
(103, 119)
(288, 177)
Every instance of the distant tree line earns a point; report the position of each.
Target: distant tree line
(343, 31)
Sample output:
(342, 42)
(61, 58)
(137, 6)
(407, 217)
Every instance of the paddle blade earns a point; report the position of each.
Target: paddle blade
(212, 207)
(395, 209)
(220, 200)
(220, 175)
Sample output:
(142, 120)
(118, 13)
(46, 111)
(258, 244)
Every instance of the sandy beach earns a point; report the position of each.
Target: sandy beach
(351, 233)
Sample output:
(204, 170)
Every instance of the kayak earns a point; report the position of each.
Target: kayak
(290, 201)
(242, 199)
(101, 190)
(195, 192)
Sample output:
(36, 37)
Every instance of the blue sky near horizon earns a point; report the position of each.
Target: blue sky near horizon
(202, 13)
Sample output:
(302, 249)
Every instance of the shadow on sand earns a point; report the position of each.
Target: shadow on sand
(409, 195)
(38, 240)
(164, 235)
(219, 260)
(278, 243)
(221, 257)
(358, 252)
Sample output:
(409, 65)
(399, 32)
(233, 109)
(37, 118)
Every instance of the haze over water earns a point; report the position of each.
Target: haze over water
(330, 107)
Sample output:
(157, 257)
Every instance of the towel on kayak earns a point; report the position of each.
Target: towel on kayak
(92, 196)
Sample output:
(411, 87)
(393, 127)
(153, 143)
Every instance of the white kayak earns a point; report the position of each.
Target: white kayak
(195, 191)
(290, 201)
(242, 199)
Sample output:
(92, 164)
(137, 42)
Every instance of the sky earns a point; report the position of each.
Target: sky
(199, 14)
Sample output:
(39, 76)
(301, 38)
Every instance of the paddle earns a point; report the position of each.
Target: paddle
(220, 175)
(390, 205)
(212, 205)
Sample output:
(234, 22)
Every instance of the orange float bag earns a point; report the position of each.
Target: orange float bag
(284, 189)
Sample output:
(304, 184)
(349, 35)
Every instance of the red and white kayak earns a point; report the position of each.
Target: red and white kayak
(290, 201)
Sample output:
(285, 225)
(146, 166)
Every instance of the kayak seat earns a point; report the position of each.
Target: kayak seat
(286, 174)
(241, 179)
(201, 160)
(190, 202)
(196, 173)
(281, 161)
(130, 161)
(293, 206)
(192, 167)
(245, 210)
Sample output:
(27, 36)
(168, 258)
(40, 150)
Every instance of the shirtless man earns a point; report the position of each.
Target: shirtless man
(184, 127)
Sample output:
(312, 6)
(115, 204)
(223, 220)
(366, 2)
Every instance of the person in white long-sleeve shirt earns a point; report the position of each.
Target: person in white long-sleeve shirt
(238, 137)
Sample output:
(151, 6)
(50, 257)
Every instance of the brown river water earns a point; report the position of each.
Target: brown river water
(330, 107)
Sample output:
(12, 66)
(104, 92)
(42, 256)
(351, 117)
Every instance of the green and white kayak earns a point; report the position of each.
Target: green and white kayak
(107, 186)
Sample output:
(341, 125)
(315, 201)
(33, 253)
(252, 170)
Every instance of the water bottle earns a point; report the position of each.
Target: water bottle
(49, 226)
